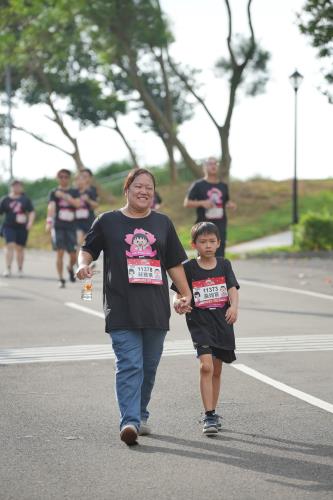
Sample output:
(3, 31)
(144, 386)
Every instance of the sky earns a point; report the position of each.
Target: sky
(262, 129)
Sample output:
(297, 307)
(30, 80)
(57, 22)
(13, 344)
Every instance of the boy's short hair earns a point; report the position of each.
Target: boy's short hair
(64, 171)
(204, 228)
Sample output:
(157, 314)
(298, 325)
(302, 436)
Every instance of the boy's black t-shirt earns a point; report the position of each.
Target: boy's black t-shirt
(218, 193)
(127, 242)
(208, 327)
(16, 210)
(65, 212)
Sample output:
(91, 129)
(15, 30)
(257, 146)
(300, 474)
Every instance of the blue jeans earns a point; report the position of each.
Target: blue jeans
(138, 353)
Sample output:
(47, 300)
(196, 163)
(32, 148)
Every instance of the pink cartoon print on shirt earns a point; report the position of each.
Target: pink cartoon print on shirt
(216, 212)
(140, 244)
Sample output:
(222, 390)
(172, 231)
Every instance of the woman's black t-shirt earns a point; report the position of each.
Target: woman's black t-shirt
(137, 254)
(206, 323)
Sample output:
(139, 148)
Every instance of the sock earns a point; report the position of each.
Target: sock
(209, 413)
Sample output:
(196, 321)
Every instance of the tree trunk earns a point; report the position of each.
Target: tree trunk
(76, 156)
(157, 115)
(127, 145)
(172, 163)
(225, 163)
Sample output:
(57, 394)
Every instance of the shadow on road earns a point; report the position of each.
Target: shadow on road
(318, 477)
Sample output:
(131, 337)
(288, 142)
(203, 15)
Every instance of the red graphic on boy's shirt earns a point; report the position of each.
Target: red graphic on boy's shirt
(140, 242)
(210, 293)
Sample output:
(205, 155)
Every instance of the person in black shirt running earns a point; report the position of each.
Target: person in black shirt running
(210, 197)
(214, 311)
(63, 200)
(140, 248)
(19, 217)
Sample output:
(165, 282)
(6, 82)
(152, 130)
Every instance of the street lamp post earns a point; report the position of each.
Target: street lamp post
(295, 80)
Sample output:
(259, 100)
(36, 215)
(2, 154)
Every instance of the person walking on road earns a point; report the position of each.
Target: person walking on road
(140, 248)
(214, 311)
(19, 218)
(63, 200)
(85, 214)
(210, 197)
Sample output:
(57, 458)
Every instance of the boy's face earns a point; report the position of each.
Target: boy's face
(206, 245)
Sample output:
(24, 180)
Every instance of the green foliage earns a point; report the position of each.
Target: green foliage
(314, 231)
(316, 22)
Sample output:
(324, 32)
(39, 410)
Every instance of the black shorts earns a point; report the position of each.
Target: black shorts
(222, 354)
(64, 239)
(18, 235)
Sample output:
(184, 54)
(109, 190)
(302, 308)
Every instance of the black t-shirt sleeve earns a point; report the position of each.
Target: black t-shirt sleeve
(174, 252)
(193, 193)
(75, 193)
(186, 266)
(94, 241)
(2, 206)
(51, 196)
(29, 206)
(230, 275)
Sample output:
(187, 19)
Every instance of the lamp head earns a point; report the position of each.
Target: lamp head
(296, 80)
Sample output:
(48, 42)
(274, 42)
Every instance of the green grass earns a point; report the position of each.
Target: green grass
(263, 206)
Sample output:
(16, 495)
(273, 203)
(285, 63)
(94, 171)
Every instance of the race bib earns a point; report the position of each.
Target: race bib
(82, 213)
(145, 271)
(214, 213)
(21, 218)
(210, 293)
(66, 215)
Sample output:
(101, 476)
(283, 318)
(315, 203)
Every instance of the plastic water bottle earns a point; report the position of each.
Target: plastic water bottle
(87, 287)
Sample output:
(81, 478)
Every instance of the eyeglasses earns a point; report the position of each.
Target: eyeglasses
(63, 176)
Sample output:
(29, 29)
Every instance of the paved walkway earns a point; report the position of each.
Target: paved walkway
(276, 240)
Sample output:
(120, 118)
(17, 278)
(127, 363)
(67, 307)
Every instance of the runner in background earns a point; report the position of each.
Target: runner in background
(89, 180)
(63, 200)
(157, 201)
(85, 214)
(19, 217)
(210, 197)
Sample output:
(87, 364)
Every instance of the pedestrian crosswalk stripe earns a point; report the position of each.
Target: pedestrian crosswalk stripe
(245, 345)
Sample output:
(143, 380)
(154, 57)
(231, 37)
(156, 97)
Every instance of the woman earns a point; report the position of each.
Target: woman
(140, 247)
(19, 217)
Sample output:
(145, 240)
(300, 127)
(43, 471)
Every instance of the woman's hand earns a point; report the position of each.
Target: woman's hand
(83, 272)
(182, 305)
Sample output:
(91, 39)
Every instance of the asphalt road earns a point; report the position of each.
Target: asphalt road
(59, 417)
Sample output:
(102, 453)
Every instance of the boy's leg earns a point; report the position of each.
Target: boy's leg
(153, 341)
(60, 263)
(206, 381)
(217, 364)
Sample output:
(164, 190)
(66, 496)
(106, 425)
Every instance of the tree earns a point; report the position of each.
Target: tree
(125, 33)
(245, 67)
(316, 22)
(41, 41)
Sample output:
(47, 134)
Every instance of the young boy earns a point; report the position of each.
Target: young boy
(214, 310)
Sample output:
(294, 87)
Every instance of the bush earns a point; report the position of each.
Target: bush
(314, 232)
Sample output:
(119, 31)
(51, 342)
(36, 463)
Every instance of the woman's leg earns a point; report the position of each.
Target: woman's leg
(9, 254)
(206, 381)
(217, 363)
(20, 256)
(153, 341)
(127, 345)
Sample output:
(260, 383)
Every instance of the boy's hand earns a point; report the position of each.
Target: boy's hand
(231, 315)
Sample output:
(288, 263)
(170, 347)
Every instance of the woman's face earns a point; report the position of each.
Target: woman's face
(140, 193)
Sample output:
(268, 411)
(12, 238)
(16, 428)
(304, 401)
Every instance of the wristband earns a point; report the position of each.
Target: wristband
(49, 220)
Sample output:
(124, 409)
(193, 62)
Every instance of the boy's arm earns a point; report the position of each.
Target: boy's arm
(177, 274)
(232, 311)
(178, 303)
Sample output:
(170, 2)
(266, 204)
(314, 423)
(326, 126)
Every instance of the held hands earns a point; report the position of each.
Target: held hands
(231, 315)
(182, 305)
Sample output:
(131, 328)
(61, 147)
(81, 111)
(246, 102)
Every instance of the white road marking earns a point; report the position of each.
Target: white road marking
(319, 403)
(250, 345)
(84, 309)
(286, 289)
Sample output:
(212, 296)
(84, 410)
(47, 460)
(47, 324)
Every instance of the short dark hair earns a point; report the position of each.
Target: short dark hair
(15, 181)
(64, 171)
(204, 228)
(88, 171)
(133, 174)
